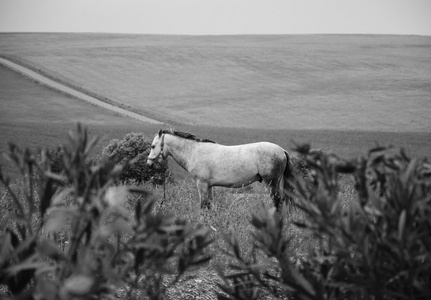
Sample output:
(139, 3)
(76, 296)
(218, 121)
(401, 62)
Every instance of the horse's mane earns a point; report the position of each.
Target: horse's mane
(187, 136)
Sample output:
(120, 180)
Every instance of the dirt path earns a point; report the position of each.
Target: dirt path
(73, 92)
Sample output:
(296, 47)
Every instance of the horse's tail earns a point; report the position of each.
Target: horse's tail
(288, 175)
(288, 171)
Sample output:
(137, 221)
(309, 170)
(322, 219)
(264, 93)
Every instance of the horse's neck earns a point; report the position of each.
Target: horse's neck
(180, 149)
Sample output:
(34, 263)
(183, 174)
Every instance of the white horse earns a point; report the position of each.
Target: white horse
(212, 164)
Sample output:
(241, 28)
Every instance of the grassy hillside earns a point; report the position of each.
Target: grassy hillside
(344, 93)
(336, 82)
(35, 116)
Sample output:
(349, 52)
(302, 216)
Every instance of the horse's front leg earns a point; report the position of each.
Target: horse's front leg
(205, 193)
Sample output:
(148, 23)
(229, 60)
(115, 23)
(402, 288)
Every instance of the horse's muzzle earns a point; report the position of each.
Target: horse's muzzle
(150, 163)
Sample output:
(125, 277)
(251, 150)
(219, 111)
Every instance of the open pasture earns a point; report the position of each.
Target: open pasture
(35, 116)
(133, 69)
(304, 82)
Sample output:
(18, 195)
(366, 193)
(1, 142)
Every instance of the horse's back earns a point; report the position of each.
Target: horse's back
(245, 151)
(258, 158)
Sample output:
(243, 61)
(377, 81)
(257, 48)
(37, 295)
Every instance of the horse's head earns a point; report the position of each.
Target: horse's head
(157, 148)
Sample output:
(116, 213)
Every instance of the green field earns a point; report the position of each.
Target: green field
(336, 82)
(341, 93)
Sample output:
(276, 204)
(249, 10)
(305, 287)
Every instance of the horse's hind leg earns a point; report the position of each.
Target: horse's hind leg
(205, 193)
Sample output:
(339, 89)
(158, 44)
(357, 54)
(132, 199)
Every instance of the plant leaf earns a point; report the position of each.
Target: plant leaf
(49, 249)
(401, 224)
(77, 285)
(58, 216)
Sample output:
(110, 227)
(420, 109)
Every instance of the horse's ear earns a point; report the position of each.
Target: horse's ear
(160, 133)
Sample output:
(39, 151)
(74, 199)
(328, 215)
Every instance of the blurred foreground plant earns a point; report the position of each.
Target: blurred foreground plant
(68, 235)
(376, 247)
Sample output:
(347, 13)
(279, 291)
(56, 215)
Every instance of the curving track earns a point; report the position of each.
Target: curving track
(75, 93)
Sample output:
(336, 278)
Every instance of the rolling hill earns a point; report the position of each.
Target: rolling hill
(336, 82)
(160, 76)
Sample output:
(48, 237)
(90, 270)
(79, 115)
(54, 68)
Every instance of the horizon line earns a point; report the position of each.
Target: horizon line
(214, 35)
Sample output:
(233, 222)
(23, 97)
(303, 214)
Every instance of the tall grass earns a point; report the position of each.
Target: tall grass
(231, 213)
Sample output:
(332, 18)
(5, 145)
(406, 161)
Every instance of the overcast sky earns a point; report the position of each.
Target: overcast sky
(217, 16)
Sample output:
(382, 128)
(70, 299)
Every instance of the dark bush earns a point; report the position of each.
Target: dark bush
(56, 159)
(135, 147)
(302, 166)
